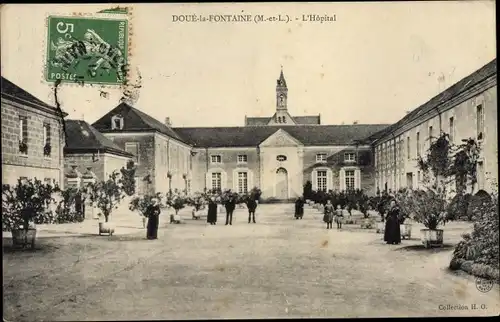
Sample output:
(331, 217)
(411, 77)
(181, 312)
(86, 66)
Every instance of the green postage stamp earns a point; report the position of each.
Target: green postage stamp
(86, 50)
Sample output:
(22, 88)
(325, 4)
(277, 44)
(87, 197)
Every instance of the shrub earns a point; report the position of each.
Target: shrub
(128, 178)
(142, 203)
(28, 202)
(481, 247)
(65, 211)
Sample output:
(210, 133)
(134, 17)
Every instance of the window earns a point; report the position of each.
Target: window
(242, 182)
(408, 149)
(216, 159)
(133, 148)
(430, 135)
(281, 158)
(418, 144)
(242, 158)
(452, 129)
(23, 134)
(117, 122)
(321, 180)
(46, 140)
(284, 119)
(349, 180)
(480, 122)
(216, 181)
(321, 157)
(350, 157)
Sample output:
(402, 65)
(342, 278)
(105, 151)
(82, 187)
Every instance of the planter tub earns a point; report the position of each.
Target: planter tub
(380, 227)
(405, 231)
(106, 228)
(432, 237)
(24, 238)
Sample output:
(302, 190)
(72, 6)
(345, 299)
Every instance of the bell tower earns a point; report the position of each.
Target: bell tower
(281, 93)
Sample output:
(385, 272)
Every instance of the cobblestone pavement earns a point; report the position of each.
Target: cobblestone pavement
(278, 267)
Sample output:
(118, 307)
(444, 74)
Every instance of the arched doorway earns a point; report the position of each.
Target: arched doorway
(281, 183)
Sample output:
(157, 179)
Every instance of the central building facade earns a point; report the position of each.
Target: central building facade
(278, 155)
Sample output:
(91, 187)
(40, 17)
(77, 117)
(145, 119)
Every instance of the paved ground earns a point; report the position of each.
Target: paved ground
(278, 267)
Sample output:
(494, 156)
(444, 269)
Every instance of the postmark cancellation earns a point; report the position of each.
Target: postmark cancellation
(87, 49)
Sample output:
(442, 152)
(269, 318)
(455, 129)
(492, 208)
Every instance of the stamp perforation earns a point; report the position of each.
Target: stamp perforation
(91, 15)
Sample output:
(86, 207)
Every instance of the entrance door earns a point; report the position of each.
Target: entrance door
(281, 184)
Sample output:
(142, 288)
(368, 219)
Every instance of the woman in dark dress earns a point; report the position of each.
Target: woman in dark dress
(212, 211)
(153, 213)
(299, 208)
(392, 234)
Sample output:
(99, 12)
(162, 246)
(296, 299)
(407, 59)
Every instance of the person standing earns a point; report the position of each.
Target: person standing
(153, 213)
(299, 208)
(212, 211)
(392, 234)
(339, 216)
(329, 214)
(252, 206)
(230, 205)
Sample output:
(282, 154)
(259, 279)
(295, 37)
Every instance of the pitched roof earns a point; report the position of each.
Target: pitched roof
(254, 135)
(281, 81)
(134, 121)
(464, 84)
(307, 119)
(299, 120)
(15, 93)
(254, 121)
(83, 137)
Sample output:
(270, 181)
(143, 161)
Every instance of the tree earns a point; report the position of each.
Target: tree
(107, 195)
(128, 178)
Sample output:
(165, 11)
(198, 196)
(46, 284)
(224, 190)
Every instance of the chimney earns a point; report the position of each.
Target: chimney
(167, 121)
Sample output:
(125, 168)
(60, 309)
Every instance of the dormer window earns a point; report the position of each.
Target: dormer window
(350, 157)
(117, 122)
(321, 157)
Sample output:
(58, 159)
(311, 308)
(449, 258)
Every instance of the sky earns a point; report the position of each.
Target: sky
(376, 62)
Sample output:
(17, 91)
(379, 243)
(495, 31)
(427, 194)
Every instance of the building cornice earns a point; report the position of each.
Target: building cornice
(14, 101)
(474, 91)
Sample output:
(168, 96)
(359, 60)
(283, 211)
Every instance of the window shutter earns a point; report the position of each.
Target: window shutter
(235, 181)
(314, 179)
(342, 179)
(208, 181)
(250, 180)
(223, 180)
(329, 179)
(357, 178)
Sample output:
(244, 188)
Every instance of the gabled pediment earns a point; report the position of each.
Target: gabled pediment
(280, 138)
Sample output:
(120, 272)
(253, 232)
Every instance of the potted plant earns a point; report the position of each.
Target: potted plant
(142, 204)
(23, 146)
(47, 148)
(197, 201)
(177, 201)
(24, 205)
(428, 208)
(404, 203)
(107, 195)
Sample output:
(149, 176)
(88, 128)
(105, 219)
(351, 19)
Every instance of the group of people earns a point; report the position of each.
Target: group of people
(330, 213)
(392, 232)
(230, 206)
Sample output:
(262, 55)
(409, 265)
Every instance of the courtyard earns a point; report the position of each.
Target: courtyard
(278, 267)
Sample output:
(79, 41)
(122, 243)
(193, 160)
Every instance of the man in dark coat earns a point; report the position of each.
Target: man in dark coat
(299, 208)
(252, 206)
(212, 211)
(392, 234)
(153, 213)
(230, 205)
